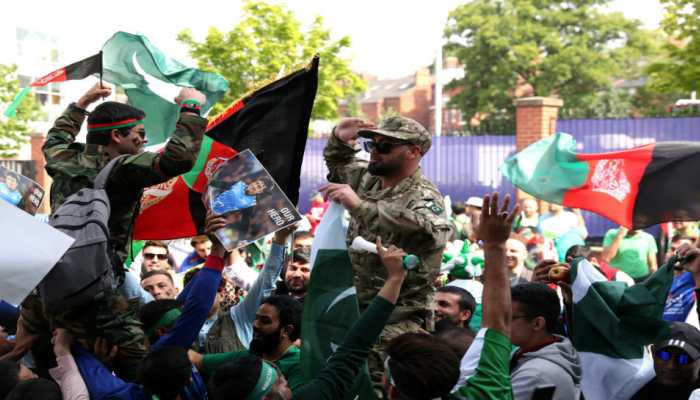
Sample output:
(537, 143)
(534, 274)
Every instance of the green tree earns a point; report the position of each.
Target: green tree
(14, 131)
(679, 69)
(269, 38)
(569, 49)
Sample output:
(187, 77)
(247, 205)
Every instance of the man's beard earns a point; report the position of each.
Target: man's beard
(378, 168)
(265, 343)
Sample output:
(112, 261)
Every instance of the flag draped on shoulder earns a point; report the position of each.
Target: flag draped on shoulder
(273, 122)
(612, 322)
(330, 307)
(635, 188)
(151, 79)
(78, 70)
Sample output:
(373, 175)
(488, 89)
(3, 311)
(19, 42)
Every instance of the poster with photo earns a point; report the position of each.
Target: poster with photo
(244, 192)
(20, 191)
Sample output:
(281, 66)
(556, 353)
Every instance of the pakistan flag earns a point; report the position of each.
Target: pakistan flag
(151, 81)
(330, 307)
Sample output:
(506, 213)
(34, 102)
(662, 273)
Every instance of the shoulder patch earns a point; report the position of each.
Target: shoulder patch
(434, 207)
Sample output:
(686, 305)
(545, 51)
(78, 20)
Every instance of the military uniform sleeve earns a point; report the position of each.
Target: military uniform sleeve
(178, 157)
(343, 166)
(423, 220)
(59, 141)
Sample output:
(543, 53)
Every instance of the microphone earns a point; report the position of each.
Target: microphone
(410, 261)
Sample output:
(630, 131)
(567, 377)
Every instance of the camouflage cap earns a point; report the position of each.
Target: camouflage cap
(401, 128)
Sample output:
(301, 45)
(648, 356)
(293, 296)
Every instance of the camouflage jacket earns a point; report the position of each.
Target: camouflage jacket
(74, 166)
(409, 215)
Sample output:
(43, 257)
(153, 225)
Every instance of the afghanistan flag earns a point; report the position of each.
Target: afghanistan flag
(273, 122)
(331, 305)
(635, 188)
(77, 70)
(151, 81)
(612, 323)
(174, 209)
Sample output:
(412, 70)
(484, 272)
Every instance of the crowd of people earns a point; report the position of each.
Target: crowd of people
(480, 317)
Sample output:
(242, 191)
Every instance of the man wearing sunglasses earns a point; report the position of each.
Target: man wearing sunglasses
(676, 364)
(390, 198)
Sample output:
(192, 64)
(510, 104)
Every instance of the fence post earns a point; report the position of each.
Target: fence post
(535, 118)
(37, 140)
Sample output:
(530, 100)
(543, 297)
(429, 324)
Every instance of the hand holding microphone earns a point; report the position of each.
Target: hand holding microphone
(408, 261)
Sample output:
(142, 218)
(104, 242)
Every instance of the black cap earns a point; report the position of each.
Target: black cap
(683, 336)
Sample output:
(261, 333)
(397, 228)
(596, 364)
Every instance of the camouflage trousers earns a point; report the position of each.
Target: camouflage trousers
(109, 315)
(375, 361)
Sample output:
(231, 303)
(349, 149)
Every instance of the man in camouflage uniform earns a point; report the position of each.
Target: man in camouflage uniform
(114, 129)
(389, 197)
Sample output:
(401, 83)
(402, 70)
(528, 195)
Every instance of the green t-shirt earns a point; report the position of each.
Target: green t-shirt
(632, 255)
(289, 364)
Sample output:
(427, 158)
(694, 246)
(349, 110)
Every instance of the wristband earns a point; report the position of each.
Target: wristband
(191, 105)
(214, 262)
(74, 107)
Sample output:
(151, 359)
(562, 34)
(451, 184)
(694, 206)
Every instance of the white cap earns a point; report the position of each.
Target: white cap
(475, 202)
(476, 288)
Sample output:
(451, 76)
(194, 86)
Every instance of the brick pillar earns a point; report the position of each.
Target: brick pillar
(42, 178)
(535, 118)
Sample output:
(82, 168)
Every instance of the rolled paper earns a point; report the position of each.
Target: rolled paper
(410, 261)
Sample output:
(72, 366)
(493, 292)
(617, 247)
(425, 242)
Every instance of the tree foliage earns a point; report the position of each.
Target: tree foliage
(679, 69)
(14, 132)
(268, 39)
(567, 49)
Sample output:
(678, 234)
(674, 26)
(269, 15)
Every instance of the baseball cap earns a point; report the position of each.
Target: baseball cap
(475, 202)
(401, 128)
(685, 337)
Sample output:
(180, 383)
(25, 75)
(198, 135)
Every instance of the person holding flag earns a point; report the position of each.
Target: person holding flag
(114, 129)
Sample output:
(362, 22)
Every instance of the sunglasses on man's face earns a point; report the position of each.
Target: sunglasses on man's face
(384, 147)
(666, 356)
(151, 256)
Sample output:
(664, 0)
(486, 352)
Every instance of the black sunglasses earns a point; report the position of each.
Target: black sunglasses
(384, 147)
(151, 256)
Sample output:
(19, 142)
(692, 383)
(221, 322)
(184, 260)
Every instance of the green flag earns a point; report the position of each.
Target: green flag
(330, 307)
(147, 76)
(611, 325)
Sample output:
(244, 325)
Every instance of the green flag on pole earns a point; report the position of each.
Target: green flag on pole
(330, 307)
(150, 79)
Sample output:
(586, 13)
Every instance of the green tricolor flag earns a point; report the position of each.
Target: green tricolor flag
(611, 325)
(330, 307)
(132, 62)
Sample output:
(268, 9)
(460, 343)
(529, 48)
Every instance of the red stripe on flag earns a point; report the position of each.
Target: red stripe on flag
(612, 184)
(234, 108)
(165, 212)
(58, 75)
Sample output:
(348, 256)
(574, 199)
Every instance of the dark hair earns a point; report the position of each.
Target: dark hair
(165, 371)
(458, 207)
(458, 339)
(9, 377)
(576, 251)
(289, 311)
(538, 300)
(156, 243)
(678, 237)
(301, 255)
(157, 272)
(199, 239)
(302, 235)
(269, 185)
(422, 366)
(466, 300)
(35, 389)
(108, 112)
(235, 379)
(192, 272)
(151, 312)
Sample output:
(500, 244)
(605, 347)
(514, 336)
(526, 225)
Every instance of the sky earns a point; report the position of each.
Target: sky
(390, 38)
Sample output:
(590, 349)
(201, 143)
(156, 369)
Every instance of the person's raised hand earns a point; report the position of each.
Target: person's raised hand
(341, 193)
(392, 259)
(690, 257)
(282, 234)
(96, 92)
(191, 93)
(61, 340)
(623, 231)
(495, 225)
(541, 271)
(213, 223)
(347, 129)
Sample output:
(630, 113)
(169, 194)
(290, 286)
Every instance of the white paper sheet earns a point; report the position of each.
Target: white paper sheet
(28, 250)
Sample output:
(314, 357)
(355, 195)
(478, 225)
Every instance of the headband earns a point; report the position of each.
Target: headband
(267, 378)
(125, 123)
(166, 320)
